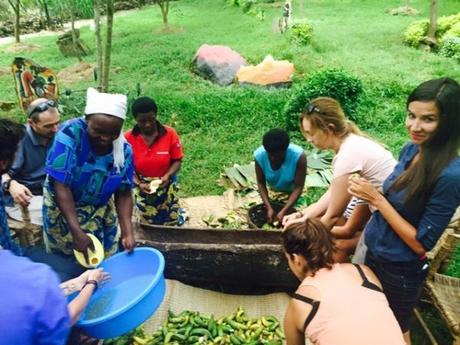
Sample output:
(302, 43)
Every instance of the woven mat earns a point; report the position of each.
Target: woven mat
(180, 297)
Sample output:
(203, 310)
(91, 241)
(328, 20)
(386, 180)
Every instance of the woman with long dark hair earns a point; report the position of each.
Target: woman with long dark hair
(420, 196)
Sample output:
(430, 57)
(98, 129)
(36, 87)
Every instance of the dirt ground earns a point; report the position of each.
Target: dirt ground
(78, 72)
(22, 48)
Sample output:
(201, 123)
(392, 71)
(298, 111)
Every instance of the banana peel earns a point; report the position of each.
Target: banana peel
(154, 185)
(94, 257)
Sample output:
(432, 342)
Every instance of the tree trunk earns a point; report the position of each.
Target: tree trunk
(17, 29)
(97, 23)
(75, 45)
(108, 46)
(164, 6)
(302, 13)
(433, 23)
(47, 15)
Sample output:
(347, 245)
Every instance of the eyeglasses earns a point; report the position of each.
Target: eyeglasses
(311, 108)
(44, 106)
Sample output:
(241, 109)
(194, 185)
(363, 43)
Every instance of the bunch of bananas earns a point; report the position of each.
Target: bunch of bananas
(198, 329)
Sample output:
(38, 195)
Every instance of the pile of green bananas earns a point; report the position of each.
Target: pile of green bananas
(199, 329)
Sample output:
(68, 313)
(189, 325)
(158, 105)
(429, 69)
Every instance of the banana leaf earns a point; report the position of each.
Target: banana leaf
(230, 174)
(315, 180)
(248, 171)
(326, 175)
(239, 177)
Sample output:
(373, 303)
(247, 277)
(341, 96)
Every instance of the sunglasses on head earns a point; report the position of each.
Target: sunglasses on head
(44, 106)
(311, 108)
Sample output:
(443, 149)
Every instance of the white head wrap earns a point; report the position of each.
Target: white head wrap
(114, 105)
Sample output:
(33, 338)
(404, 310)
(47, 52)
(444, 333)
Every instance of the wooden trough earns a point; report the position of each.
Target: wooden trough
(225, 260)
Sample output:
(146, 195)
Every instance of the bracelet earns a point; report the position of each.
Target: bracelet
(92, 282)
(6, 185)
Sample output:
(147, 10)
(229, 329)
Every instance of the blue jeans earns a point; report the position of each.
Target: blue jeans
(402, 283)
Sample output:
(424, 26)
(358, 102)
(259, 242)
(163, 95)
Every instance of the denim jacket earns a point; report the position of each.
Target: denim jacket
(430, 217)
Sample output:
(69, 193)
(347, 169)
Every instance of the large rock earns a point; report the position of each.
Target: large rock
(66, 46)
(268, 73)
(218, 63)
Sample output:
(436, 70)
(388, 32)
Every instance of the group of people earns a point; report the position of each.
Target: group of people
(393, 212)
(88, 176)
(79, 175)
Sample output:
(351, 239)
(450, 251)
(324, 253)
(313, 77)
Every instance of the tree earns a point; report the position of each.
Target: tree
(16, 5)
(76, 47)
(108, 46)
(103, 53)
(164, 6)
(97, 22)
(43, 5)
(433, 23)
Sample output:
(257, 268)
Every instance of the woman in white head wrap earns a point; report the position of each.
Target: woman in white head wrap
(90, 172)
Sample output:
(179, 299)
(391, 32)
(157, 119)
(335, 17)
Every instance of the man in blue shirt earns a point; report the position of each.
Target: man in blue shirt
(25, 178)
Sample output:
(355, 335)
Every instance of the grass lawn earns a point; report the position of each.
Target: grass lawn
(220, 126)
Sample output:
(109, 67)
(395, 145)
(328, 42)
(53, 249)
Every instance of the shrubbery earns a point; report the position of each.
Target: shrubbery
(301, 33)
(447, 33)
(335, 83)
(447, 22)
(451, 48)
(248, 7)
(416, 33)
(454, 31)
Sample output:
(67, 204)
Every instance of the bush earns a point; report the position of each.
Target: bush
(335, 83)
(447, 22)
(301, 33)
(257, 12)
(416, 33)
(234, 2)
(454, 31)
(246, 5)
(451, 48)
(447, 26)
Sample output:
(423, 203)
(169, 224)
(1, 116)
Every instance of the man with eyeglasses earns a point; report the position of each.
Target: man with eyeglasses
(24, 180)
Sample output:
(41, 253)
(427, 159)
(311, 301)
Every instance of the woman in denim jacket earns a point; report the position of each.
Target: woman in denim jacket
(419, 197)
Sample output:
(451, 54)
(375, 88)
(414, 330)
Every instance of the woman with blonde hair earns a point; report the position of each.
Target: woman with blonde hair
(323, 124)
(334, 303)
